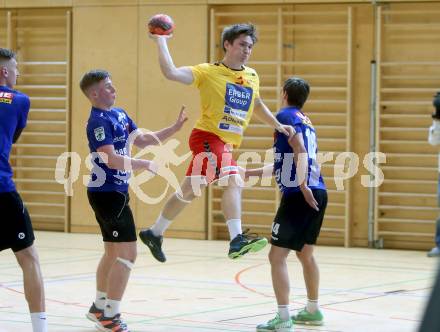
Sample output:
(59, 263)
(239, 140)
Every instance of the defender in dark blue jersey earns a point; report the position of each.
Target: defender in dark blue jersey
(299, 217)
(109, 130)
(17, 233)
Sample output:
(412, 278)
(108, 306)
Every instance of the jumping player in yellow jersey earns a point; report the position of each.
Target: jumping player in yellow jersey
(229, 93)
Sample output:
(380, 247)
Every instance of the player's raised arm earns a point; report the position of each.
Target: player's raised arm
(147, 139)
(170, 71)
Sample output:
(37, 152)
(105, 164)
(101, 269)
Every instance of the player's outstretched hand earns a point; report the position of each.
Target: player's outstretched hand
(308, 196)
(181, 119)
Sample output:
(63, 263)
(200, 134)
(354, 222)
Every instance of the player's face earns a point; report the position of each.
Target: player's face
(10, 72)
(105, 93)
(240, 50)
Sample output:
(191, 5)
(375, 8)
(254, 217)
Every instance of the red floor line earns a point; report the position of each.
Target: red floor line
(238, 281)
(129, 313)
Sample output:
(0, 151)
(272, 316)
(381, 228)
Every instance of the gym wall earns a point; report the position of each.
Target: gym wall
(330, 44)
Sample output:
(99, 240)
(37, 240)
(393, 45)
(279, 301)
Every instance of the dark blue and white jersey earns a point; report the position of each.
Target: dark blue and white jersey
(108, 128)
(284, 164)
(14, 110)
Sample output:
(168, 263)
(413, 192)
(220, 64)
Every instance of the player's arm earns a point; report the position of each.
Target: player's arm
(123, 163)
(17, 134)
(265, 171)
(301, 157)
(264, 114)
(434, 133)
(169, 70)
(154, 138)
(22, 118)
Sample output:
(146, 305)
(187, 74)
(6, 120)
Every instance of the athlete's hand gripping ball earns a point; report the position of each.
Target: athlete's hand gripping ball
(161, 24)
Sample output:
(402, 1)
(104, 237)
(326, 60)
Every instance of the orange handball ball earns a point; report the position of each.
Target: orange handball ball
(161, 24)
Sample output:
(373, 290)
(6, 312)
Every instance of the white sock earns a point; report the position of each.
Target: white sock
(234, 226)
(283, 311)
(100, 299)
(312, 306)
(160, 226)
(39, 321)
(112, 307)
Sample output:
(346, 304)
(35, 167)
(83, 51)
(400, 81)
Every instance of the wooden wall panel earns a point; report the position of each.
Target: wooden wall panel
(40, 38)
(318, 44)
(104, 40)
(142, 91)
(160, 101)
(362, 55)
(35, 3)
(124, 49)
(408, 77)
(3, 27)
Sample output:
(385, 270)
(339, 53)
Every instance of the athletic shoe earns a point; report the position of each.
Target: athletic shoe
(306, 318)
(434, 252)
(94, 313)
(154, 243)
(276, 325)
(112, 324)
(243, 243)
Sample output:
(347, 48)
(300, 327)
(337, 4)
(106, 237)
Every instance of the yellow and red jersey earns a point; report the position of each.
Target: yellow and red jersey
(227, 99)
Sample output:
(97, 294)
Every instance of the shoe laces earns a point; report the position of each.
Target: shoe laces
(249, 236)
(274, 320)
(117, 320)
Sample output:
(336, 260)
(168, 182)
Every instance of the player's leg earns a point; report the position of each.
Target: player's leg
(281, 286)
(116, 221)
(311, 314)
(102, 272)
(240, 243)
(435, 252)
(33, 287)
(280, 276)
(21, 242)
(191, 187)
(176, 203)
(118, 275)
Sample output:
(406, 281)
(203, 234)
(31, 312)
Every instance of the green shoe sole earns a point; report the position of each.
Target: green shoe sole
(308, 322)
(252, 247)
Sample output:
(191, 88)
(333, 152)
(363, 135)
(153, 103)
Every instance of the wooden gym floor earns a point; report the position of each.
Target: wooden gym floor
(200, 290)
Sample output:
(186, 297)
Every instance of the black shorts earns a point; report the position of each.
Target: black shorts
(296, 223)
(114, 215)
(16, 232)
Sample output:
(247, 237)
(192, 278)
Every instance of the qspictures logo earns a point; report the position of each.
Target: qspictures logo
(6, 97)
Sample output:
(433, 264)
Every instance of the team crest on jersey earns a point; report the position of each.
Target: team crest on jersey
(99, 134)
(305, 120)
(240, 80)
(6, 97)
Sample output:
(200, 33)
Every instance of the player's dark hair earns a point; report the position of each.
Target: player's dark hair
(92, 77)
(297, 91)
(6, 54)
(232, 32)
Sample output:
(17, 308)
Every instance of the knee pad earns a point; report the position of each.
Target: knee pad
(125, 262)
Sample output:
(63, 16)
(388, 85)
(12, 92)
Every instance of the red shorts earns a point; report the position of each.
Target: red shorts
(212, 158)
